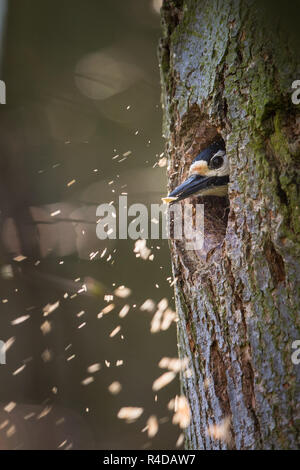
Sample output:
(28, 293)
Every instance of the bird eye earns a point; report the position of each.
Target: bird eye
(216, 162)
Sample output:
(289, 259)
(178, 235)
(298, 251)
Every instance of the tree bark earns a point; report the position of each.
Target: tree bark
(227, 68)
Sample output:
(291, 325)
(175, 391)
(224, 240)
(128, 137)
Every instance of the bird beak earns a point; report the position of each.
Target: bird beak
(195, 184)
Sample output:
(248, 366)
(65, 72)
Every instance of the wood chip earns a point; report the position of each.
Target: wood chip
(115, 388)
(152, 426)
(130, 413)
(163, 380)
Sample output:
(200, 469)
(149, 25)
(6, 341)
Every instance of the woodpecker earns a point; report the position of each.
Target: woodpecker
(208, 175)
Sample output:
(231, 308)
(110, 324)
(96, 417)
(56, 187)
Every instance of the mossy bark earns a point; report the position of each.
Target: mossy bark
(227, 68)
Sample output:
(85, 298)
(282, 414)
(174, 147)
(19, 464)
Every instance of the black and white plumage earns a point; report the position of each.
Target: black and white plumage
(208, 175)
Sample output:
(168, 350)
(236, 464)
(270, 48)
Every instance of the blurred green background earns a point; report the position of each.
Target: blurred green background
(83, 86)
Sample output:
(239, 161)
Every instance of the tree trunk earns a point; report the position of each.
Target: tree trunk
(227, 67)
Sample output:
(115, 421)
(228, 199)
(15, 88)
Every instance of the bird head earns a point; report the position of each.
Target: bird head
(208, 175)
